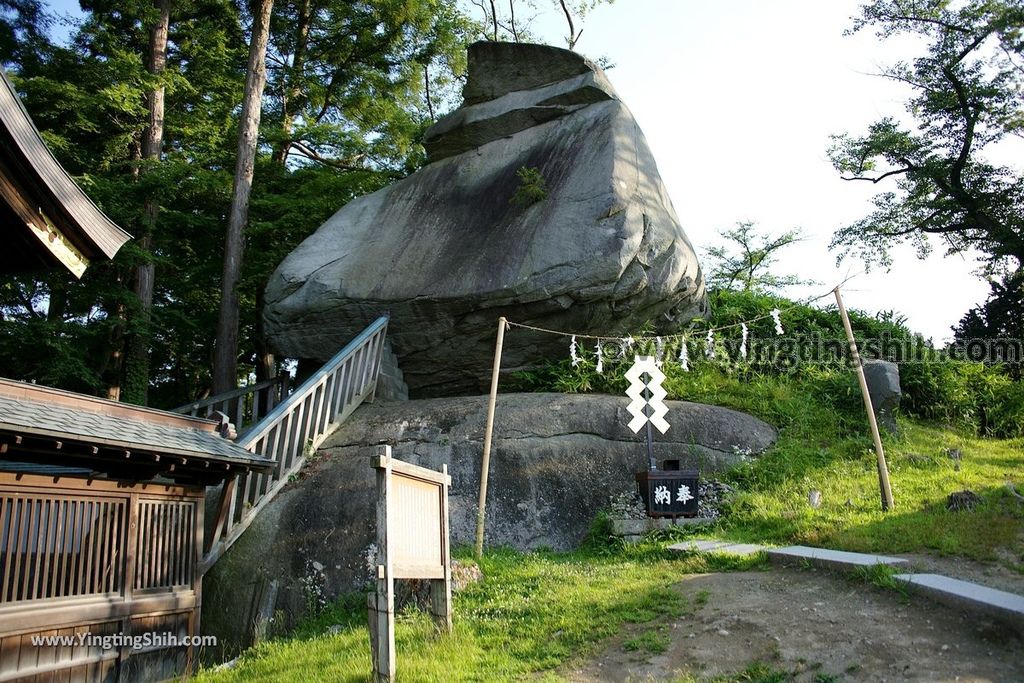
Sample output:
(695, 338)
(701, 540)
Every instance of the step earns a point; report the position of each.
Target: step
(829, 559)
(974, 597)
(713, 546)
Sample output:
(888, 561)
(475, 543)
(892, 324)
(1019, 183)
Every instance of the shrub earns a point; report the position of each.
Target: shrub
(965, 395)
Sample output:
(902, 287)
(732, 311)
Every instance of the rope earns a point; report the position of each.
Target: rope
(563, 333)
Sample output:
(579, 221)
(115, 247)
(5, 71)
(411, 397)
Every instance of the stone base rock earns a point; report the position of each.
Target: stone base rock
(556, 461)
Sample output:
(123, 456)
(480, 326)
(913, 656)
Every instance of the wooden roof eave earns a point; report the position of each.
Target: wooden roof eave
(143, 465)
(80, 219)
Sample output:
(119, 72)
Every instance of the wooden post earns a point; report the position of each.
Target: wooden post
(486, 463)
(382, 603)
(883, 469)
(441, 589)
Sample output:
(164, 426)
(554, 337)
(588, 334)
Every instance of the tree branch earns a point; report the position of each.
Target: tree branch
(923, 20)
(880, 178)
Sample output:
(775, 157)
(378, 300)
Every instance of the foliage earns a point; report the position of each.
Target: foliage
(743, 262)
(1001, 317)
(966, 98)
(531, 189)
(354, 85)
(811, 357)
(654, 641)
(88, 100)
(965, 395)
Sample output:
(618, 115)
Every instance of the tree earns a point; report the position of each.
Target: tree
(225, 360)
(137, 370)
(91, 101)
(23, 27)
(345, 79)
(578, 10)
(744, 261)
(1002, 316)
(501, 22)
(966, 99)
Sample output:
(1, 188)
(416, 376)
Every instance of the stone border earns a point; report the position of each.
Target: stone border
(632, 530)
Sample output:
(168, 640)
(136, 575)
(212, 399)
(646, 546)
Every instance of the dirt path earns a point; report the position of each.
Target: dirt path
(820, 626)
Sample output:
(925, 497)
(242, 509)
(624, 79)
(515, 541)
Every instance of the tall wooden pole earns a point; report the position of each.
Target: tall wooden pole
(486, 463)
(883, 469)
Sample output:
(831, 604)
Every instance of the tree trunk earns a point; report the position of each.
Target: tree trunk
(225, 360)
(292, 92)
(136, 381)
(266, 364)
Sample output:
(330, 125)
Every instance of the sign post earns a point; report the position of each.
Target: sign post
(412, 543)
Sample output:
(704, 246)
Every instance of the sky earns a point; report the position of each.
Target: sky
(737, 99)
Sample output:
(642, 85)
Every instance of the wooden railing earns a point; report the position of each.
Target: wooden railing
(244, 406)
(294, 429)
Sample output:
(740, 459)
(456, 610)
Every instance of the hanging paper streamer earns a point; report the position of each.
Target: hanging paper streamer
(600, 358)
(624, 345)
(659, 351)
(572, 352)
(709, 350)
(776, 313)
(743, 342)
(684, 356)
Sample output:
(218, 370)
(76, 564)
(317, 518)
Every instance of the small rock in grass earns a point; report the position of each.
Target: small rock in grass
(962, 500)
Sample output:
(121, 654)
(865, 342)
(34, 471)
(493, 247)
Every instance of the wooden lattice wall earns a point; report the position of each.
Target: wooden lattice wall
(97, 557)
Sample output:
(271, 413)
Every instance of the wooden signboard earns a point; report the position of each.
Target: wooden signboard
(412, 542)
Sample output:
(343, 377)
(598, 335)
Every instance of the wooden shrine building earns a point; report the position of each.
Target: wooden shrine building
(101, 503)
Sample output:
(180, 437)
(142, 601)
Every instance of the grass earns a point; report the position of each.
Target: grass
(773, 506)
(654, 641)
(533, 613)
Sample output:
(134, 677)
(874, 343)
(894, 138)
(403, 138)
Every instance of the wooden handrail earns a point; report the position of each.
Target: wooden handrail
(188, 408)
(245, 406)
(295, 428)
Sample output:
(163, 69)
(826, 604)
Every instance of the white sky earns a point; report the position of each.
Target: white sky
(737, 99)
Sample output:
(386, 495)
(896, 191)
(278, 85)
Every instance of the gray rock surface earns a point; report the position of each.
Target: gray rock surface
(500, 68)
(883, 378)
(556, 461)
(448, 250)
(391, 384)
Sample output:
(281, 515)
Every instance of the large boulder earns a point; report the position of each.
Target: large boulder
(585, 239)
(556, 461)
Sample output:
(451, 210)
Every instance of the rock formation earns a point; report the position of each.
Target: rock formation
(556, 461)
(883, 378)
(540, 202)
